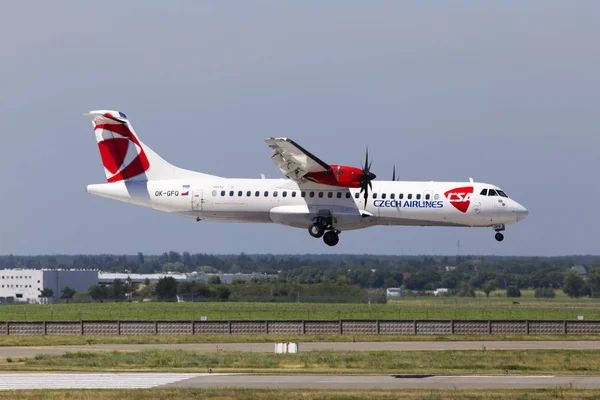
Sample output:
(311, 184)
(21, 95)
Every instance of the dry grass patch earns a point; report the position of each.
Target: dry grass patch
(576, 362)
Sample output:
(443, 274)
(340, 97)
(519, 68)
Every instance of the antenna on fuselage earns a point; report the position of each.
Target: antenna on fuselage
(471, 180)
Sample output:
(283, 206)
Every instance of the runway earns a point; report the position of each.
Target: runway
(31, 351)
(15, 381)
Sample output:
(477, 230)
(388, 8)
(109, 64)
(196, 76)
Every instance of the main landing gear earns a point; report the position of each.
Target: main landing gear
(323, 228)
(499, 228)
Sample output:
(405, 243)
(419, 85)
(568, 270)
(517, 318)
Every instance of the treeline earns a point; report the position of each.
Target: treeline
(167, 289)
(423, 273)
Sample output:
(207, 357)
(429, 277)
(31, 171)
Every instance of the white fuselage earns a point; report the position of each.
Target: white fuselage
(285, 202)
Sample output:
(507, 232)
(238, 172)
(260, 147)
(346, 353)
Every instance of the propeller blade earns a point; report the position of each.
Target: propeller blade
(394, 173)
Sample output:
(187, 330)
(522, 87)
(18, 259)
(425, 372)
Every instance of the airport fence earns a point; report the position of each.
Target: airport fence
(331, 327)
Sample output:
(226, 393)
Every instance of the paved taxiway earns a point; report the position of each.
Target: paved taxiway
(31, 351)
(13, 381)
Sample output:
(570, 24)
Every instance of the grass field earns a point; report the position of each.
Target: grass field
(419, 308)
(304, 394)
(450, 362)
(176, 339)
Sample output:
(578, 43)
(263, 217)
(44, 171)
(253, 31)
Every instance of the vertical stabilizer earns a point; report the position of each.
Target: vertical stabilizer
(124, 156)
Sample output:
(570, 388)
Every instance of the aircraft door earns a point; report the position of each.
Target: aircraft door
(197, 200)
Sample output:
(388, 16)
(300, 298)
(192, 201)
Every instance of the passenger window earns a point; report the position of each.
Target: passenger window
(275, 194)
(330, 194)
(392, 196)
(492, 192)
(383, 195)
(374, 195)
(339, 195)
(248, 193)
(356, 195)
(303, 194)
(284, 194)
(312, 194)
(483, 192)
(214, 193)
(436, 196)
(231, 193)
(320, 194)
(257, 193)
(427, 196)
(240, 193)
(409, 196)
(294, 194)
(419, 196)
(348, 195)
(266, 193)
(401, 196)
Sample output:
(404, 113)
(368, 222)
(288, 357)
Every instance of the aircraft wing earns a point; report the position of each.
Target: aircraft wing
(293, 160)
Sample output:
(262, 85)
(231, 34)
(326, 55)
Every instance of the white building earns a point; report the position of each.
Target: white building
(108, 277)
(395, 292)
(24, 285)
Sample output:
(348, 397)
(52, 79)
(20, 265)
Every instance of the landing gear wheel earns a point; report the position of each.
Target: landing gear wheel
(331, 238)
(316, 231)
(499, 237)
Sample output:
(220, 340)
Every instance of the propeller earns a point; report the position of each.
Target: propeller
(367, 177)
(394, 173)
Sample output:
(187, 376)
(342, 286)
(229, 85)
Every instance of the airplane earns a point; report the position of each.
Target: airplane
(324, 199)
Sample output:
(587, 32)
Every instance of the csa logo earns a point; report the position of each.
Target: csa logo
(460, 198)
(121, 152)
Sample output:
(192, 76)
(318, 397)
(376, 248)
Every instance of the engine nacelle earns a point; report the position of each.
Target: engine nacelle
(338, 175)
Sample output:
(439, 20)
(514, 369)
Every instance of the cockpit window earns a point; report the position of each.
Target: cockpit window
(483, 192)
(492, 192)
(501, 193)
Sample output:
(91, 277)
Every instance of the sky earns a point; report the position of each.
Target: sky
(505, 92)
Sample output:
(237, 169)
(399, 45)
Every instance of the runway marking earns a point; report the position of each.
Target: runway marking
(92, 381)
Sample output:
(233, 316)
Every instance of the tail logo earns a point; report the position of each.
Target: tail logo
(122, 154)
(460, 198)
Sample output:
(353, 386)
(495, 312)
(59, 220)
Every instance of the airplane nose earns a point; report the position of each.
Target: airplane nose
(522, 212)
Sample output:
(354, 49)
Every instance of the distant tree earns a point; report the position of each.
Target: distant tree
(146, 282)
(513, 291)
(223, 292)
(163, 258)
(574, 285)
(593, 283)
(67, 293)
(117, 289)
(98, 292)
(166, 288)
(174, 256)
(465, 290)
(545, 293)
(46, 292)
(488, 287)
(140, 258)
(380, 297)
(187, 259)
(214, 280)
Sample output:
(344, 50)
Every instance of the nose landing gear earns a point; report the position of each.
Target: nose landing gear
(323, 228)
(499, 228)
